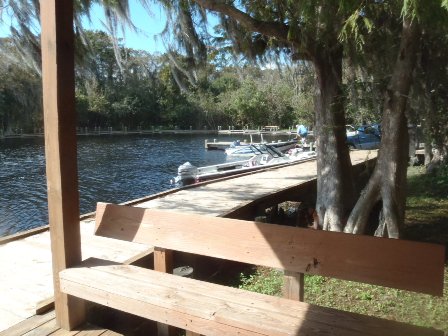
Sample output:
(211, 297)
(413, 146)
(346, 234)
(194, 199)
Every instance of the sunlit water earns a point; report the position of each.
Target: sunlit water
(111, 169)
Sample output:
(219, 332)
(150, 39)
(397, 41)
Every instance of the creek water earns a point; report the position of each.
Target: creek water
(113, 169)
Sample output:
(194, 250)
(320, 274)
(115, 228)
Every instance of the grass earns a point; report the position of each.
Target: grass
(426, 220)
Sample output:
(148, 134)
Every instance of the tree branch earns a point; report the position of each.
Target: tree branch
(274, 29)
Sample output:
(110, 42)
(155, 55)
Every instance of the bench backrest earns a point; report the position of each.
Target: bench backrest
(393, 263)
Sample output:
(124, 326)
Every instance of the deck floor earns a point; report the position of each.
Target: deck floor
(26, 278)
(44, 325)
(218, 198)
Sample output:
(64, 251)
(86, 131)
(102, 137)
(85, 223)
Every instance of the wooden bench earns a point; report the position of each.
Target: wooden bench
(210, 309)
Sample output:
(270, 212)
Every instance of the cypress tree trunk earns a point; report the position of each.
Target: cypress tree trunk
(335, 187)
(388, 181)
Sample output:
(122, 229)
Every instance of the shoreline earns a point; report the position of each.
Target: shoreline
(153, 132)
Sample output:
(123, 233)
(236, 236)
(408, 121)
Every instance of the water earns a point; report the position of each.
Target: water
(110, 168)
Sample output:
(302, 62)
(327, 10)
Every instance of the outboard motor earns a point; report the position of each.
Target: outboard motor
(186, 173)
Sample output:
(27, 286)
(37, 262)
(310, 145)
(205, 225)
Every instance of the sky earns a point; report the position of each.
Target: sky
(148, 26)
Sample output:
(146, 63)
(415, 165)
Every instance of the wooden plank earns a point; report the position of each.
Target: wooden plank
(57, 44)
(393, 263)
(28, 324)
(299, 192)
(144, 304)
(212, 309)
(23, 234)
(90, 330)
(112, 249)
(63, 332)
(228, 295)
(44, 306)
(111, 333)
(44, 329)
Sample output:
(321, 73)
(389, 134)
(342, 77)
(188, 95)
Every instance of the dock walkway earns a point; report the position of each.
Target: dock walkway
(26, 276)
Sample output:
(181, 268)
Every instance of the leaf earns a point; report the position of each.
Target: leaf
(368, 23)
(445, 4)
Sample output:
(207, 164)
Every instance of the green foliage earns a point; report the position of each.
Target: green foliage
(225, 82)
(264, 281)
(20, 92)
(355, 27)
(419, 181)
(143, 92)
(445, 4)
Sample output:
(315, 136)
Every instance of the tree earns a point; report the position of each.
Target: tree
(387, 186)
(430, 96)
(388, 180)
(312, 30)
(309, 31)
(20, 92)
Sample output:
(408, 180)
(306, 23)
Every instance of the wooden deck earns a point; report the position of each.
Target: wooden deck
(27, 279)
(44, 325)
(220, 198)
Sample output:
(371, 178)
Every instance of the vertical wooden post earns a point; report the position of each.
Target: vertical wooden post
(57, 45)
(293, 286)
(191, 333)
(163, 262)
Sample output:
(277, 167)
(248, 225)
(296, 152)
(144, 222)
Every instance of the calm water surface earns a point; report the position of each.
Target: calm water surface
(111, 169)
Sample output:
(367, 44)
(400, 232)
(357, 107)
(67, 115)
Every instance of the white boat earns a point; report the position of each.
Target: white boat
(265, 155)
(247, 150)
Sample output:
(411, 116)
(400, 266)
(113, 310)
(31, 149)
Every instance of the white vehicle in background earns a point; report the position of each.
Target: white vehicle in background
(350, 130)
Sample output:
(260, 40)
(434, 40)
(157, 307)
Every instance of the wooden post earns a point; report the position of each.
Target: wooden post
(191, 333)
(60, 149)
(163, 262)
(293, 286)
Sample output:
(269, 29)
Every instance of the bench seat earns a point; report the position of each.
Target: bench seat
(211, 309)
(203, 308)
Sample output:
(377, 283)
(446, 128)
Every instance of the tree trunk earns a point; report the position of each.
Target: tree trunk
(335, 186)
(388, 181)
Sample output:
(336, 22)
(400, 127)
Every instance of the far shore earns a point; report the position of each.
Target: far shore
(108, 131)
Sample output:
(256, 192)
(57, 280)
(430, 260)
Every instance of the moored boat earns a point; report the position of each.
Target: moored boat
(264, 155)
(246, 150)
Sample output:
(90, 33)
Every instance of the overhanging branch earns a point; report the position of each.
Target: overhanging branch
(273, 29)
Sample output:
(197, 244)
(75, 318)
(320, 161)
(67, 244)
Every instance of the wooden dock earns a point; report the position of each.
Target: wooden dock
(27, 277)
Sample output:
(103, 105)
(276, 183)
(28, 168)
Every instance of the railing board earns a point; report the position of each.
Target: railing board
(393, 263)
